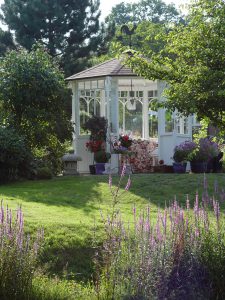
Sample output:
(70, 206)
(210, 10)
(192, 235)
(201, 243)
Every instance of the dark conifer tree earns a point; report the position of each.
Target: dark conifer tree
(68, 28)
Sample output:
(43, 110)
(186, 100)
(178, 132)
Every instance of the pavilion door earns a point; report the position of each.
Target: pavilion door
(173, 129)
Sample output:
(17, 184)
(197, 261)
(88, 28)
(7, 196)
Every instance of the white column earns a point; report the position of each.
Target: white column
(111, 88)
(75, 113)
(145, 115)
(190, 126)
(114, 107)
(102, 104)
(161, 118)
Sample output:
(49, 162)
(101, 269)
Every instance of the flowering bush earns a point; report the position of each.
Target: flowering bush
(18, 256)
(180, 256)
(182, 151)
(141, 158)
(205, 150)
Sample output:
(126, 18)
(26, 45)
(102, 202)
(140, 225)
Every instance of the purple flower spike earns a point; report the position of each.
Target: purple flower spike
(110, 180)
(128, 184)
(123, 170)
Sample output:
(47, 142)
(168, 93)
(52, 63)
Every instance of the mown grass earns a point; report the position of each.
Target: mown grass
(69, 210)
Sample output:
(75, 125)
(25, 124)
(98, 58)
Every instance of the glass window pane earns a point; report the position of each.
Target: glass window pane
(186, 125)
(150, 94)
(101, 84)
(133, 120)
(81, 85)
(121, 117)
(83, 115)
(94, 84)
(87, 85)
(153, 124)
(168, 122)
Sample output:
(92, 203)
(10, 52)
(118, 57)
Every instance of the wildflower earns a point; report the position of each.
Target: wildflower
(128, 184)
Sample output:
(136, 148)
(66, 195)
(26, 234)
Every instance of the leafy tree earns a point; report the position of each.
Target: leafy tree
(67, 28)
(192, 63)
(6, 42)
(151, 18)
(155, 11)
(34, 97)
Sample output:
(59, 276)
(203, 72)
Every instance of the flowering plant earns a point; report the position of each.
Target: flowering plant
(123, 144)
(182, 151)
(125, 141)
(205, 150)
(94, 146)
(97, 127)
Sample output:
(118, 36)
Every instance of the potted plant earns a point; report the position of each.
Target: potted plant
(101, 158)
(180, 156)
(122, 145)
(205, 150)
(97, 126)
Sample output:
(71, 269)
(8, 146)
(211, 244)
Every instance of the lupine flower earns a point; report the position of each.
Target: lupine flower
(128, 184)
(123, 172)
(110, 180)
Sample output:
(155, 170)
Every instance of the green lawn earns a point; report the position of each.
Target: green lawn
(69, 210)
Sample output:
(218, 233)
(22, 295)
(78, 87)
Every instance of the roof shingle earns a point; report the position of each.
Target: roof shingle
(112, 67)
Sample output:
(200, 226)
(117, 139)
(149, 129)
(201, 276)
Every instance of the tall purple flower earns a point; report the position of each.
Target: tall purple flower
(128, 184)
(110, 180)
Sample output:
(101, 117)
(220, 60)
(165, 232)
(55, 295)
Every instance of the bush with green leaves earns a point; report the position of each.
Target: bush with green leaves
(15, 157)
(34, 98)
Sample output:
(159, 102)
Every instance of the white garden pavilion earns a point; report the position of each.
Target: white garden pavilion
(112, 90)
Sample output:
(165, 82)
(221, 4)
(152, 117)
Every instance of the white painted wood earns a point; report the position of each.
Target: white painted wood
(145, 111)
(168, 140)
(114, 107)
(75, 113)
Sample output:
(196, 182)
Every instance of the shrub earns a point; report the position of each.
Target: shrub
(44, 173)
(182, 151)
(206, 149)
(15, 157)
(18, 257)
(51, 156)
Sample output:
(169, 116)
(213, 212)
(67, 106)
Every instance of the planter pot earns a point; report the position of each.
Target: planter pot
(163, 169)
(198, 166)
(100, 168)
(179, 167)
(92, 169)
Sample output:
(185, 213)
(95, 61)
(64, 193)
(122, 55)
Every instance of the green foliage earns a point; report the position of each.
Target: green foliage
(102, 156)
(192, 63)
(6, 42)
(155, 11)
(97, 127)
(45, 288)
(15, 157)
(34, 97)
(75, 219)
(43, 173)
(67, 28)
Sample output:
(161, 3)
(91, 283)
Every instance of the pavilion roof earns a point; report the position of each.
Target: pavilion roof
(113, 67)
